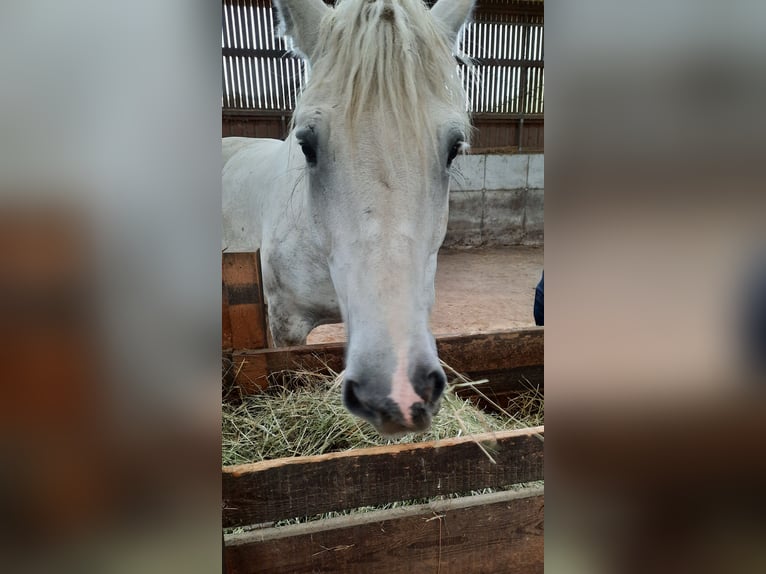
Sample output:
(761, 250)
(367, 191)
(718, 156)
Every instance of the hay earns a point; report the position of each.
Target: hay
(302, 414)
(305, 416)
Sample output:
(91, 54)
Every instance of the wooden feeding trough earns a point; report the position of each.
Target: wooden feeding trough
(449, 528)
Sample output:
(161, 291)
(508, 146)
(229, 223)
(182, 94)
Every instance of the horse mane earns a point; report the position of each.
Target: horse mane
(387, 57)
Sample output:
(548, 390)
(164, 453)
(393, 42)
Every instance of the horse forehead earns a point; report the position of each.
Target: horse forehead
(383, 176)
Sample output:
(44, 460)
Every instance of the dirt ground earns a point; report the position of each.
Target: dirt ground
(477, 290)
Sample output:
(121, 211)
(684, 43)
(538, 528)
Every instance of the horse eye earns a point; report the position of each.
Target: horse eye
(453, 152)
(310, 153)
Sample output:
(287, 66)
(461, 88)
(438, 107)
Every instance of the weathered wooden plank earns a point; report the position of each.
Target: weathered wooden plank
(502, 387)
(242, 52)
(226, 335)
(304, 486)
(489, 352)
(243, 301)
(256, 53)
(499, 532)
(255, 367)
(503, 357)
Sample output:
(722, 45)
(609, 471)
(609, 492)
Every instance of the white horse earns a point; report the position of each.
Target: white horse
(350, 210)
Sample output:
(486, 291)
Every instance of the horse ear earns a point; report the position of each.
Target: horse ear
(452, 14)
(300, 19)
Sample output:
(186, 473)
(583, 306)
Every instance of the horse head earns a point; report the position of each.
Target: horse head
(379, 123)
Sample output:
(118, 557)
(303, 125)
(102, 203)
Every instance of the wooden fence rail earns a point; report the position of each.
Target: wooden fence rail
(497, 532)
(304, 486)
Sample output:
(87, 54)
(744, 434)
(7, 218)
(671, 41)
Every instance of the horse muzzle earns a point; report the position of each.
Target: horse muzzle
(409, 405)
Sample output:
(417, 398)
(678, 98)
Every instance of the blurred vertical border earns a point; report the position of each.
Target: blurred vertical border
(110, 286)
(655, 231)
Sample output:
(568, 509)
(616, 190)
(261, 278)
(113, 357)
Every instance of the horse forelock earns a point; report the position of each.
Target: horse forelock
(386, 57)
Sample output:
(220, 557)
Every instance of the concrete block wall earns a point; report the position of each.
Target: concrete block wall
(496, 200)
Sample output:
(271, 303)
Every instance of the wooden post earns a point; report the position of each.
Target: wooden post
(244, 313)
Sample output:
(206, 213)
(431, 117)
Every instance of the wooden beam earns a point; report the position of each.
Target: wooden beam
(256, 114)
(503, 357)
(499, 532)
(256, 53)
(304, 486)
(264, 53)
(227, 341)
(244, 316)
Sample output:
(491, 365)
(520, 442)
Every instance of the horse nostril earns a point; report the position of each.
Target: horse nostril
(352, 401)
(437, 381)
(429, 385)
